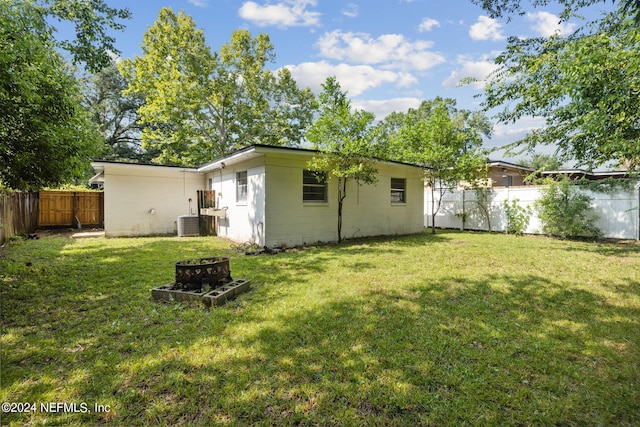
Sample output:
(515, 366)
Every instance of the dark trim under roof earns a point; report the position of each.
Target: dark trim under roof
(290, 149)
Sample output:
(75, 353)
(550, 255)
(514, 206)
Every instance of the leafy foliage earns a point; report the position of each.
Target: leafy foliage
(517, 217)
(565, 212)
(585, 86)
(115, 114)
(92, 19)
(46, 135)
(500, 8)
(343, 138)
(542, 162)
(446, 141)
(202, 104)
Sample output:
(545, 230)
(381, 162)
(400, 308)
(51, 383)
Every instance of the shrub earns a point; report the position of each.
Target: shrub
(565, 212)
(517, 217)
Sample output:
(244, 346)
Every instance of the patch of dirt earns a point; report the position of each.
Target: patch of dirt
(63, 231)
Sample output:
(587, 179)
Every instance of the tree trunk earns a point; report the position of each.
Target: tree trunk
(433, 210)
(342, 193)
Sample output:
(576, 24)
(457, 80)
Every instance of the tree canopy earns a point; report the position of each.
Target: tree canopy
(46, 136)
(115, 114)
(445, 140)
(202, 104)
(585, 86)
(506, 8)
(92, 19)
(343, 137)
(542, 162)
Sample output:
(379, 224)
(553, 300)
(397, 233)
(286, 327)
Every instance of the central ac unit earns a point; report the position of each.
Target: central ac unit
(188, 226)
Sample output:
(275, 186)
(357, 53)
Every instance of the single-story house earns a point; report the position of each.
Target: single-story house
(263, 194)
(506, 174)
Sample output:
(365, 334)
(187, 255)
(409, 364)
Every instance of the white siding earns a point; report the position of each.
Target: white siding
(245, 220)
(143, 200)
(274, 213)
(367, 210)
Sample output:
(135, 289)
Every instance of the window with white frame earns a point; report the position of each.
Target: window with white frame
(241, 187)
(314, 186)
(398, 190)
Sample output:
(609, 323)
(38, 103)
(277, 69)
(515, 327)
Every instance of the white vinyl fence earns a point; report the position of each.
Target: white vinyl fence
(618, 213)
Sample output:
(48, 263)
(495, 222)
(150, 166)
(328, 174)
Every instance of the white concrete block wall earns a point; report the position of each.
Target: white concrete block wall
(244, 221)
(290, 221)
(274, 212)
(145, 200)
(367, 209)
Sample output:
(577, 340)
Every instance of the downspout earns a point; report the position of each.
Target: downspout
(638, 230)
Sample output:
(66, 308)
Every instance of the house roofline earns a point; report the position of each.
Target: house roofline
(509, 164)
(98, 166)
(259, 149)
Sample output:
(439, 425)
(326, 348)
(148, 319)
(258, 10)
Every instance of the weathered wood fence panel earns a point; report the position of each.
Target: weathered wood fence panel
(71, 209)
(206, 199)
(18, 214)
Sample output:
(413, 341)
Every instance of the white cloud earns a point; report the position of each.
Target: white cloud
(505, 134)
(486, 29)
(518, 129)
(428, 24)
(479, 69)
(382, 108)
(199, 3)
(548, 24)
(355, 79)
(351, 11)
(286, 13)
(391, 50)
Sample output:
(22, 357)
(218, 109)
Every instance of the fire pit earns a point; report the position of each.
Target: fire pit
(196, 274)
(207, 280)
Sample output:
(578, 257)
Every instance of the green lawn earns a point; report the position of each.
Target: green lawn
(452, 329)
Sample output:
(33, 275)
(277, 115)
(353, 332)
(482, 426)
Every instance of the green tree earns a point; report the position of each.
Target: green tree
(343, 138)
(502, 8)
(565, 212)
(47, 137)
(202, 104)
(445, 140)
(115, 114)
(92, 20)
(586, 87)
(542, 162)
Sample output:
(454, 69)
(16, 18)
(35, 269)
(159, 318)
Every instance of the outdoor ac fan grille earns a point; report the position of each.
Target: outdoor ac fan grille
(188, 225)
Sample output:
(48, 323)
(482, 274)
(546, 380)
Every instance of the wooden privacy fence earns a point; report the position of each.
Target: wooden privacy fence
(71, 209)
(18, 214)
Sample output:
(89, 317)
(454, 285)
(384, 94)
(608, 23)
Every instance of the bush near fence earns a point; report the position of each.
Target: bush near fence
(618, 212)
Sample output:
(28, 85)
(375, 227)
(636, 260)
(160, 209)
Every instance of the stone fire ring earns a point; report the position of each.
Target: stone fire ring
(212, 298)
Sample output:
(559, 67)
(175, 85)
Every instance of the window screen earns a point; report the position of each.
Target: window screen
(314, 186)
(398, 190)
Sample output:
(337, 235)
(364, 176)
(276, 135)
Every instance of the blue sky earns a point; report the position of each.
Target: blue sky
(389, 55)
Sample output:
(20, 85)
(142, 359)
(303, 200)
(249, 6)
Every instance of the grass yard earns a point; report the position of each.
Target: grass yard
(452, 329)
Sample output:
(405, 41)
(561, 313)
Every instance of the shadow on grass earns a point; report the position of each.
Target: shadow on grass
(609, 248)
(499, 349)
